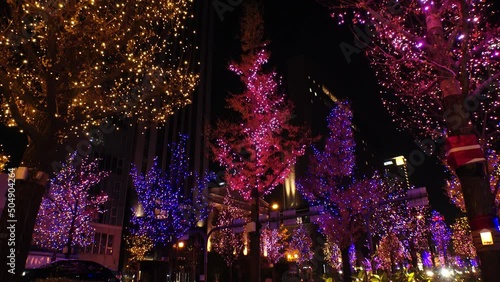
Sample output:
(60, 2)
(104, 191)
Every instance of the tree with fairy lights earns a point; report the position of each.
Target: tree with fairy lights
(391, 252)
(441, 236)
(454, 188)
(273, 245)
(329, 182)
(438, 62)
(301, 245)
(67, 210)
(259, 146)
(462, 239)
(227, 243)
(70, 66)
(169, 210)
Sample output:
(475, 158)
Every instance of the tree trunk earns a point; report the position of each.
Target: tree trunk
(70, 235)
(28, 197)
(255, 239)
(479, 201)
(346, 265)
(413, 254)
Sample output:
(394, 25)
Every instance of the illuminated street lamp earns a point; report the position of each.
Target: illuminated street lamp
(486, 237)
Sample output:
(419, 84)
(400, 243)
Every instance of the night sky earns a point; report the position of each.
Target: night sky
(303, 27)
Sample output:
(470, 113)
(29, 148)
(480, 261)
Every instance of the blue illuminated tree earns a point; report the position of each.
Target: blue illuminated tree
(169, 211)
(330, 182)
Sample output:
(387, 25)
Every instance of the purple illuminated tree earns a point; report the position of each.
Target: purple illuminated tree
(301, 244)
(65, 214)
(273, 243)
(169, 210)
(438, 62)
(329, 182)
(441, 236)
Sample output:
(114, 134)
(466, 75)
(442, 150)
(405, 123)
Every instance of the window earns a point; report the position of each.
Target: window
(97, 237)
(102, 245)
(109, 246)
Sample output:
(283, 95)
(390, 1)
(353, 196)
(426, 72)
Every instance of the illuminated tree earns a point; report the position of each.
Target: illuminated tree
(68, 66)
(169, 210)
(260, 145)
(462, 238)
(454, 189)
(273, 243)
(66, 212)
(391, 252)
(329, 182)
(441, 235)
(4, 159)
(438, 64)
(333, 255)
(226, 242)
(138, 246)
(301, 244)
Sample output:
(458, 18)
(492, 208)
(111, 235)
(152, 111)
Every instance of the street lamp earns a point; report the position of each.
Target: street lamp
(275, 207)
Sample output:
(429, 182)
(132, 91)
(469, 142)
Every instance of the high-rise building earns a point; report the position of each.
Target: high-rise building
(396, 168)
(310, 87)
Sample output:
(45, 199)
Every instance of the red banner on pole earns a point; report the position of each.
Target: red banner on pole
(462, 150)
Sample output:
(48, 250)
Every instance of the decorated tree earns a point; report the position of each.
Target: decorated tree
(454, 188)
(438, 64)
(301, 244)
(273, 243)
(391, 252)
(69, 66)
(169, 210)
(462, 239)
(226, 242)
(259, 145)
(138, 246)
(441, 236)
(329, 182)
(67, 210)
(332, 255)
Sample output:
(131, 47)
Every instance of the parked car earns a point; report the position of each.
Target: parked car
(69, 271)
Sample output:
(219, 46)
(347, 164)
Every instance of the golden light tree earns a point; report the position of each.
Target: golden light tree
(462, 239)
(69, 66)
(138, 247)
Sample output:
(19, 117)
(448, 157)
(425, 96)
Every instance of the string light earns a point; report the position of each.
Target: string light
(259, 148)
(226, 242)
(168, 213)
(72, 65)
(66, 212)
(395, 39)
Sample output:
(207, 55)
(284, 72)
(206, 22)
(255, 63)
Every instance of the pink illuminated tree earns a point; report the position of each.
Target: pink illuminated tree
(65, 214)
(259, 145)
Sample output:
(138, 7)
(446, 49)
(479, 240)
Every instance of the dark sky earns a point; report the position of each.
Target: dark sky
(303, 27)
